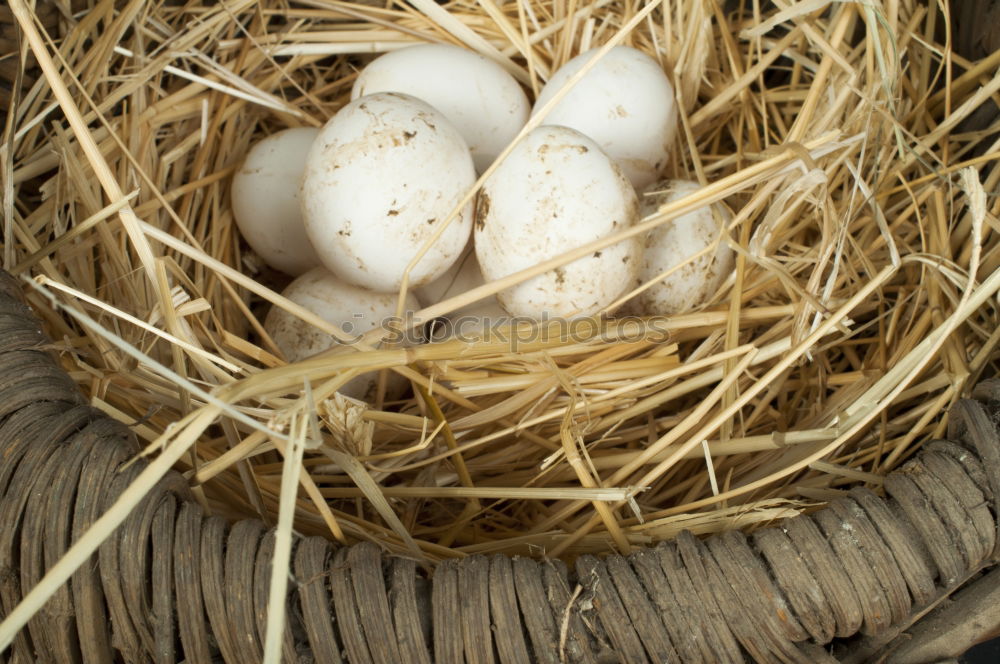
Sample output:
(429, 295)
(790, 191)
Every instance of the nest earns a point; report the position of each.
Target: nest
(852, 142)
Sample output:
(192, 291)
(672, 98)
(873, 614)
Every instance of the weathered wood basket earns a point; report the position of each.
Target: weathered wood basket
(827, 421)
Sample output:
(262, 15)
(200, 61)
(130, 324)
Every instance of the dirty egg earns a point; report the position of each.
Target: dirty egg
(556, 192)
(674, 243)
(354, 310)
(381, 177)
(265, 200)
(625, 103)
(476, 94)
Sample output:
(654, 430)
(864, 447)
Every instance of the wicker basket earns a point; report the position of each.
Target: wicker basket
(93, 569)
(172, 584)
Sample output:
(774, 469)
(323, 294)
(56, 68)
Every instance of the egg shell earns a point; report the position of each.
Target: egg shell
(625, 103)
(675, 242)
(381, 177)
(265, 200)
(460, 278)
(355, 310)
(476, 94)
(556, 192)
(470, 320)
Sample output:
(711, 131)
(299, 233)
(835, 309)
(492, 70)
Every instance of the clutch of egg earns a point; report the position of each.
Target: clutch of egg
(380, 179)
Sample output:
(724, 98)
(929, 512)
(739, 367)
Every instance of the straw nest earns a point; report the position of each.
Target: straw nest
(849, 138)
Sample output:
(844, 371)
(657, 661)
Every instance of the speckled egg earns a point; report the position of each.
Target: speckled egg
(556, 192)
(380, 180)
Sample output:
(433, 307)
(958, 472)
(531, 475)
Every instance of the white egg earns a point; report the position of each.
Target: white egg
(674, 243)
(625, 103)
(380, 179)
(471, 319)
(556, 192)
(265, 200)
(476, 94)
(460, 278)
(352, 309)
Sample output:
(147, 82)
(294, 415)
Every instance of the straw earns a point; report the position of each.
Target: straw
(862, 307)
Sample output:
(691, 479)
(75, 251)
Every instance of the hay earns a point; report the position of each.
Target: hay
(863, 304)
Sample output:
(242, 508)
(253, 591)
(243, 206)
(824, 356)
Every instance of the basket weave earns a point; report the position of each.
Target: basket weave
(180, 586)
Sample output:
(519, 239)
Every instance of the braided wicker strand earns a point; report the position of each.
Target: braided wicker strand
(173, 584)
